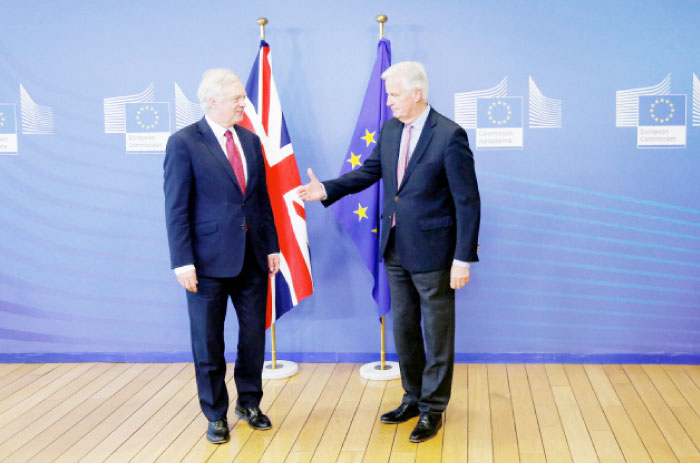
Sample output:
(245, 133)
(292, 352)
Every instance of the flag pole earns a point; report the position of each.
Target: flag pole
(284, 369)
(381, 19)
(262, 22)
(383, 371)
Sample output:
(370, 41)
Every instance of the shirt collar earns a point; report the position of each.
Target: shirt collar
(217, 129)
(420, 121)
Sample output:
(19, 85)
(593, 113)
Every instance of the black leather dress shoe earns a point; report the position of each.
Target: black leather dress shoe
(255, 418)
(217, 432)
(406, 411)
(427, 427)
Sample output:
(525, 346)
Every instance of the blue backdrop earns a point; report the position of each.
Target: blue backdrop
(589, 243)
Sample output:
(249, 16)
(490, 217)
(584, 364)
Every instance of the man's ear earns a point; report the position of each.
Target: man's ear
(417, 95)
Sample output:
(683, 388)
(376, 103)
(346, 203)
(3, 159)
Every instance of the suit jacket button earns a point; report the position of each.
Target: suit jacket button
(396, 199)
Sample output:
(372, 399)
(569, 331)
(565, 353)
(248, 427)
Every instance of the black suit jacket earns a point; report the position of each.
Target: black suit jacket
(437, 205)
(206, 213)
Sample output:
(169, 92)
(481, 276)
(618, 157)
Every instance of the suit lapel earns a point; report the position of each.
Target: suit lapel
(209, 140)
(423, 141)
(393, 144)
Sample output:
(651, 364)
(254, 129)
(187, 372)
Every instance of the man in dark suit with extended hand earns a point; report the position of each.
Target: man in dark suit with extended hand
(223, 244)
(429, 234)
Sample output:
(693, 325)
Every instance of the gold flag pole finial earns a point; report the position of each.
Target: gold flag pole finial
(262, 22)
(381, 19)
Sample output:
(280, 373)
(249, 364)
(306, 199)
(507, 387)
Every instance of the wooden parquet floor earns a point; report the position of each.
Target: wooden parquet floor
(102, 412)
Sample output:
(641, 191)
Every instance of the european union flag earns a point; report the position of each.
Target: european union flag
(359, 213)
(661, 110)
(499, 112)
(147, 117)
(8, 121)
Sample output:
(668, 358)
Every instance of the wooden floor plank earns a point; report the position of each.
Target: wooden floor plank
(597, 425)
(527, 429)
(126, 430)
(505, 439)
(676, 401)
(6, 370)
(382, 435)
(192, 427)
(673, 431)
(24, 430)
(577, 436)
(622, 427)
(333, 437)
(46, 410)
(23, 376)
(554, 441)
(312, 431)
(100, 431)
(357, 439)
(685, 385)
(281, 444)
(455, 442)
(156, 423)
(34, 382)
(402, 450)
(479, 447)
(259, 441)
(56, 439)
(107, 435)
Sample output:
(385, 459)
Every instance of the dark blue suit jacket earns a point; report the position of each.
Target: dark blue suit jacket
(206, 213)
(437, 205)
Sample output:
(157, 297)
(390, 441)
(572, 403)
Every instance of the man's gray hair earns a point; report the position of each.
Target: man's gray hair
(414, 76)
(212, 82)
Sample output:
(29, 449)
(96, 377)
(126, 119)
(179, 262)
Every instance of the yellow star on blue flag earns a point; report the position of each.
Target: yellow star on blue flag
(355, 160)
(369, 137)
(361, 212)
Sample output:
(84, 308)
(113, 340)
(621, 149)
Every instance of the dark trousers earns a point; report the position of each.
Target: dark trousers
(426, 357)
(207, 311)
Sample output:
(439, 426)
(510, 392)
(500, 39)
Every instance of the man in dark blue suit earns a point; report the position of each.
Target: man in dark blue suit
(223, 244)
(429, 236)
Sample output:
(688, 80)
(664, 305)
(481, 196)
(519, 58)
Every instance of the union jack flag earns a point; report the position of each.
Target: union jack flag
(263, 116)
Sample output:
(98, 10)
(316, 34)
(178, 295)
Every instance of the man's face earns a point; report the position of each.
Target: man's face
(405, 104)
(228, 110)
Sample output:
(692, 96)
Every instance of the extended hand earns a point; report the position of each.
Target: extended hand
(459, 277)
(311, 191)
(188, 280)
(273, 264)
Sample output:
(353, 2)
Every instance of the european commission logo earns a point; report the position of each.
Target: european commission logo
(658, 115)
(145, 123)
(8, 129)
(499, 122)
(661, 121)
(147, 127)
(499, 118)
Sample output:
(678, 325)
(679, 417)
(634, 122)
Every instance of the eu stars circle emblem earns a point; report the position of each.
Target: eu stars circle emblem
(661, 111)
(2, 119)
(147, 117)
(499, 112)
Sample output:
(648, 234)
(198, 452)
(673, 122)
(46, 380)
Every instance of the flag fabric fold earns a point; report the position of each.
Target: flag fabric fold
(263, 116)
(359, 214)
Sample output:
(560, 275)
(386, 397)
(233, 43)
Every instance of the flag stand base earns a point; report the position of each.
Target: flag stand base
(374, 371)
(285, 369)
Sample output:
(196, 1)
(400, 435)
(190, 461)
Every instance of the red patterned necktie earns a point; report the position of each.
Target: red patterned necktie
(234, 157)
